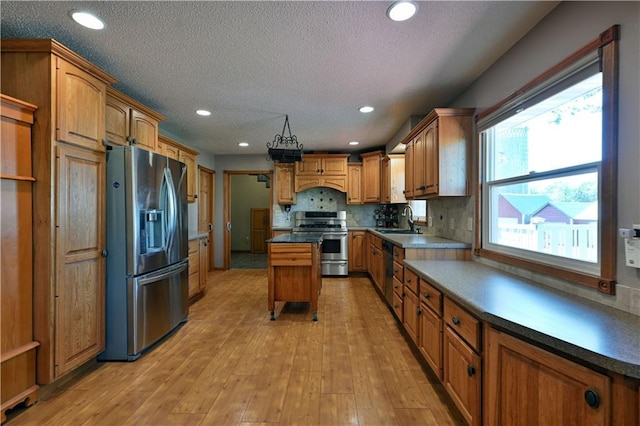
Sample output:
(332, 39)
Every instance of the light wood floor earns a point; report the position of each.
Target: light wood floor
(230, 365)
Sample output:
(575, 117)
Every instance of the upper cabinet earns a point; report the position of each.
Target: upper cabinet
(393, 178)
(328, 170)
(437, 158)
(188, 156)
(371, 164)
(284, 183)
(354, 184)
(130, 123)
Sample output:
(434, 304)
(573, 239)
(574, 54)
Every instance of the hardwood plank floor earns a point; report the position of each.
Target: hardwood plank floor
(230, 365)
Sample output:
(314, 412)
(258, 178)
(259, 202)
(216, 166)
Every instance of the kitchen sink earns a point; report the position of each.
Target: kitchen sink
(398, 231)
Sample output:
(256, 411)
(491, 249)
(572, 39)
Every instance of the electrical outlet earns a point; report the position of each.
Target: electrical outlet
(469, 224)
(452, 224)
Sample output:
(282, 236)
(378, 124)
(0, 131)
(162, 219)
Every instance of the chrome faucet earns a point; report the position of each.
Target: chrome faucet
(404, 213)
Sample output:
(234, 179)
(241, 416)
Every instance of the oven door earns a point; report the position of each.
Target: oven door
(334, 246)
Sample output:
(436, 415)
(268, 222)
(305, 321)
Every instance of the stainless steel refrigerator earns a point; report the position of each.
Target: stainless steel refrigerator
(147, 259)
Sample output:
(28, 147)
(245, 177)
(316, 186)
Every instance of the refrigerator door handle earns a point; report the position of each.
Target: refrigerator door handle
(171, 207)
(157, 276)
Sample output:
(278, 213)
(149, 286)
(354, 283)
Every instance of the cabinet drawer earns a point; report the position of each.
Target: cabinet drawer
(463, 323)
(398, 306)
(411, 281)
(397, 287)
(431, 297)
(290, 254)
(398, 254)
(398, 271)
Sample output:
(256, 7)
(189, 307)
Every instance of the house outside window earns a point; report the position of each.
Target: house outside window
(546, 168)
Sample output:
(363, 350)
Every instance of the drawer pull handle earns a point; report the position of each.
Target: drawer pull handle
(427, 295)
(408, 280)
(455, 320)
(418, 311)
(592, 398)
(471, 370)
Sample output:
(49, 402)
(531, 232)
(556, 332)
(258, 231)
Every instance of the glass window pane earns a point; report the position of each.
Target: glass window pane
(556, 216)
(561, 131)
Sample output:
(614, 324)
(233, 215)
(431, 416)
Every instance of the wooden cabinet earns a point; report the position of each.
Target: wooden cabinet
(295, 274)
(130, 123)
(315, 170)
(438, 154)
(188, 156)
(357, 251)
(80, 266)
(17, 345)
(354, 183)
(375, 261)
(284, 183)
(411, 314)
(197, 267)
(462, 372)
(408, 169)
(430, 338)
(371, 176)
(392, 185)
(275, 233)
(527, 385)
(69, 197)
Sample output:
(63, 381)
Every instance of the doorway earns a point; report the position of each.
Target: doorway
(248, 198)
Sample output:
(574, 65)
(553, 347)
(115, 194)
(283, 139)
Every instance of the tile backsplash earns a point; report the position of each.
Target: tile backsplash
(451, 216)
(325, 199)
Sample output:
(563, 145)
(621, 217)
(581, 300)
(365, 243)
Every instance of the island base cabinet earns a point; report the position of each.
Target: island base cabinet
(462, 376)
(527, 385)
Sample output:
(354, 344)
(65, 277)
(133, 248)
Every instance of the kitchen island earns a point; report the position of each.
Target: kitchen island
(295, 272)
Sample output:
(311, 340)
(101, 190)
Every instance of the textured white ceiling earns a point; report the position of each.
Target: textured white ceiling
(251, 63)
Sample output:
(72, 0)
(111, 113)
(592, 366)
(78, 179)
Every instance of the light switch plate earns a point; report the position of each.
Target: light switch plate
(469, 224)
(452, 223)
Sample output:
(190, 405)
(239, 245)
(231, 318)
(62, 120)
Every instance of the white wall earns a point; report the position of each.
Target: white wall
(567, 28)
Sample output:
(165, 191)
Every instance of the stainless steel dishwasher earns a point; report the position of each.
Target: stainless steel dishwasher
(387, 250)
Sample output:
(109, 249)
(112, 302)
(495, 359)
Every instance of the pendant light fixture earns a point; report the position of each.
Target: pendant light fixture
(285, 149)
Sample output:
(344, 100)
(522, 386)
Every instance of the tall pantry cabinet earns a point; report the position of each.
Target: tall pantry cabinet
(69, 166)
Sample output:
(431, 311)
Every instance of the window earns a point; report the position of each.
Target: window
(419, 208)
(547, 167)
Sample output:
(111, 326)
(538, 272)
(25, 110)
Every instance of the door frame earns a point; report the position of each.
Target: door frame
(227, 206)
(210, 232)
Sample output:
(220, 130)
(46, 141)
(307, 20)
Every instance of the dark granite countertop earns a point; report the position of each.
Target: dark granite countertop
(304, 237)
(603, 336)
(420, 241)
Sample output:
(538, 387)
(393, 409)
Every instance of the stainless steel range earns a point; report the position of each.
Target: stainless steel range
(333, 226)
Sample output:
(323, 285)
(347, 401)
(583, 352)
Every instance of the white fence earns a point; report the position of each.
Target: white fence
(578, 242)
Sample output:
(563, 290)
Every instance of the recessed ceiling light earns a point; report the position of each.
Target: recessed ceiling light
(365, 109)
(401, 10)
(243, 144)
(87, 19)
(203, 112)
(354, 143)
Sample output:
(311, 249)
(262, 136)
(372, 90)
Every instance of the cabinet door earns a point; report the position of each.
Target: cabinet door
(357, 251)
(190, 161)
(354, 184)
(419, 184)
(334, 166)
(80, 265)
(309, 165)
(385, 180)
(144, 130)
(527, 385)
(204, 267)
(117, 121)
(411, 314)
(462, 376)
(408, 168)
(169, 150)
(430, 340)
(432, 159)
(371, 179)
(194, 268)
(80, 107)
(284, 184)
